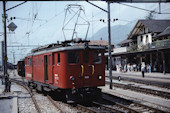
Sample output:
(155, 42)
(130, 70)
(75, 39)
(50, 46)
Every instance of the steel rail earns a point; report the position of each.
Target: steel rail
(56, 106)
(143, 90)
(135, 104)
(86, 109)
(108, 108)
(31, 94)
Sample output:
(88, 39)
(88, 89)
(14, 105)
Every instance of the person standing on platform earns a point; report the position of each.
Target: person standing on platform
(143, 69)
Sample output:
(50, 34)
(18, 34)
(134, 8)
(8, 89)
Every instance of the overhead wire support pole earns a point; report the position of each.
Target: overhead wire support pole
(109, 40)
(5, 44)
(109, 46)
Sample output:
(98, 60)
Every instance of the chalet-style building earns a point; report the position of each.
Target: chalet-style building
(148, 42)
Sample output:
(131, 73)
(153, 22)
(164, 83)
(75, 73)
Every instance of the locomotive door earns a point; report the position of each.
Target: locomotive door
(87, 68)
(45, 68)
(48, 68)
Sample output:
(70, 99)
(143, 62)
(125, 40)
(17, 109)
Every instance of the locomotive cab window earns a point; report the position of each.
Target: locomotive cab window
(97, 57)
(73, 57)
(86, 57)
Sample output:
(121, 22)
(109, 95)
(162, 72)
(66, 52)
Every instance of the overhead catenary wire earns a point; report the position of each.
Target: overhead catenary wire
(141, 8)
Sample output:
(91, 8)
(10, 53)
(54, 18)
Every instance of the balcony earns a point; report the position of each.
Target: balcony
(159, 44)
(153, 45)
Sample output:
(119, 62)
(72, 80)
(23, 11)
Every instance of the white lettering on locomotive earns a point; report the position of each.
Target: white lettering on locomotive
(29, 75)
(56, 78)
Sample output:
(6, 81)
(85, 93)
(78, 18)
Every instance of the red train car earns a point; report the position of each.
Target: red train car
(77, 71)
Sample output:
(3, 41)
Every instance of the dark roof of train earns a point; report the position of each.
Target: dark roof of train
(56, 48)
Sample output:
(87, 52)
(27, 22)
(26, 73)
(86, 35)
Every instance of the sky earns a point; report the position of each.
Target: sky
(39, 23)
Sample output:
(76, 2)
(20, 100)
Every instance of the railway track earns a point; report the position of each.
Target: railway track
(142, 90)
(109, 103)
(29, 91)
(33, 93)
(129, 106)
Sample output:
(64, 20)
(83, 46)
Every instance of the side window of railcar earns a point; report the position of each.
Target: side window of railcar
(86, 57)
(49, 59)
(97, 57)
(30, 61)
(26, 61)
(35, 61)
(58, 58)
(73, 57)
(53, 59)
(39, 60)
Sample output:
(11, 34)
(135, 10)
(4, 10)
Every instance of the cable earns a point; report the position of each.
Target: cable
(141, 8)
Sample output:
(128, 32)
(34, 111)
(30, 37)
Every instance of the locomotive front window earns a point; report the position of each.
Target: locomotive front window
(73, 57)
(97, 57)
(86, 57)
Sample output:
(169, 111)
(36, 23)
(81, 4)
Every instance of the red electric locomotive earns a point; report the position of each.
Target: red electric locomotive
(75, 70)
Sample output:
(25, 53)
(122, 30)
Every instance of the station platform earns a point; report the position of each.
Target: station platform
(139, 74)
(151, 78)
(8, 100)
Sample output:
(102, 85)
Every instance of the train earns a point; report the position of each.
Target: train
(21, 67)
(74, 70)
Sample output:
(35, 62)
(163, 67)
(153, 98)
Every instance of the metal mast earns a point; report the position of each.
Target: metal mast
(5, 37)
(109, 46)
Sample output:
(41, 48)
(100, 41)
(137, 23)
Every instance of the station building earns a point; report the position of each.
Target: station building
(148, 42)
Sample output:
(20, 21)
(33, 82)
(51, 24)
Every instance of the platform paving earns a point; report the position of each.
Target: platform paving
(8, 100)
(139, 74)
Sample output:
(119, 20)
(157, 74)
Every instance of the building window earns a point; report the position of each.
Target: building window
(73, 57)
(147, 39)
(141, 38)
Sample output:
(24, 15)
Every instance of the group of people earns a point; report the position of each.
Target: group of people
(133, 68)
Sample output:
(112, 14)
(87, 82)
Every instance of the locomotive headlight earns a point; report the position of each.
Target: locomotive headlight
(72, 78)
(100, 77)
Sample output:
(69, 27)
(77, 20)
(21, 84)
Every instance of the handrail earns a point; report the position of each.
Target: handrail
(82, 70)
(92, 69)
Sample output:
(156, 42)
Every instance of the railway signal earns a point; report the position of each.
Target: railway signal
(12, 26)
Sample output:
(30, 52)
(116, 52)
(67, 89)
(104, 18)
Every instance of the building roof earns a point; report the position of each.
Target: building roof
(125, 41)
(98, 42)
(155, 26)
(166, 32)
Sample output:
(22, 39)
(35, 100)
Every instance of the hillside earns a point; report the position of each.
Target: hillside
(118, 33)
